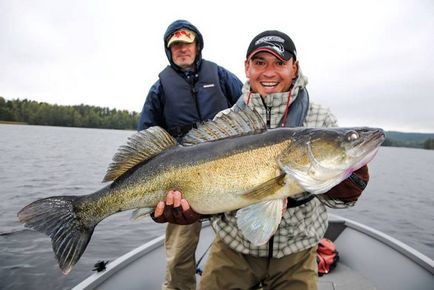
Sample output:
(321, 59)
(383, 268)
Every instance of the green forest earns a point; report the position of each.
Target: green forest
(39, 113)
(413, 140)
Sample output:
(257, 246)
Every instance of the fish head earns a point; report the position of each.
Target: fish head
(321, 158)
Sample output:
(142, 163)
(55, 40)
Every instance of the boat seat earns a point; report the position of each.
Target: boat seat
(343, 278)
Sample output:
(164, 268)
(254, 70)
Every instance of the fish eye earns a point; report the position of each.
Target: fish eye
(352, 136)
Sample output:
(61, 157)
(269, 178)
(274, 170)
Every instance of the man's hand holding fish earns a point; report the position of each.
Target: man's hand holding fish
(175, 209)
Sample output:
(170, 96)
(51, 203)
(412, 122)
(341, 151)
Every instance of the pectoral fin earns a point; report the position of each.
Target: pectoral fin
(259, 222)
(267, 188)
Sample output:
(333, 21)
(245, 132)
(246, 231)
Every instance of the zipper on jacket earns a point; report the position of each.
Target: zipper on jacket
(268, 113)
(194, 94)
(191, 79)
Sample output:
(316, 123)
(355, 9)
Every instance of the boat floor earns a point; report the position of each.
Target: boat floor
(368, 260)
(342, 277)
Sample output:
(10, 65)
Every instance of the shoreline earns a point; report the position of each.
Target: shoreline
(13, 123)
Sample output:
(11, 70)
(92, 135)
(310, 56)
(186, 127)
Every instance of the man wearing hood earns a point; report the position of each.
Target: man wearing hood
(190, 90)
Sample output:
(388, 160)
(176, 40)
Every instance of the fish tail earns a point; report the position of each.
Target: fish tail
(55, 217)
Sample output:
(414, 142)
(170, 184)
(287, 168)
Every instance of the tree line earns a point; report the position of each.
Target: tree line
(424, 144)
(40, 113)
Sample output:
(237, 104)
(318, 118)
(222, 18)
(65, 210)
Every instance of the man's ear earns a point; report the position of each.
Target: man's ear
(295, 67)
(246, 67)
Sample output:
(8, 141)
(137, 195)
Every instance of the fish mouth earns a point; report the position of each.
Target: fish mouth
(366, 150)
(375, 138)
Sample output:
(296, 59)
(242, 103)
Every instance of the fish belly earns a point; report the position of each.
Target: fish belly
(219, 185)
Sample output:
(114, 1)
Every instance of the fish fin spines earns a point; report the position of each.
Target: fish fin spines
(231, 124)
(55, 217)
(140, 147)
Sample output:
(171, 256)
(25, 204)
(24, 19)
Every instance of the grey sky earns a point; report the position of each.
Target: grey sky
(371, 62)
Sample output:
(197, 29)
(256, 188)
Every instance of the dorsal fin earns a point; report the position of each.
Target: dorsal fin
(140, 147)
(234, 123)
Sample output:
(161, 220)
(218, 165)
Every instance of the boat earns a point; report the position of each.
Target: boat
(368, 259)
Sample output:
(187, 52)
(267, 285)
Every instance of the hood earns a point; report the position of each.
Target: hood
(178, 24)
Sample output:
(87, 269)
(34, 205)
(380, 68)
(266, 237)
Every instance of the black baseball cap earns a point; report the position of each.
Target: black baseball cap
(275, 42)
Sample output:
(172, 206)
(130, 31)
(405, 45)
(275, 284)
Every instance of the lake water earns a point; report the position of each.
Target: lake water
(39, 161)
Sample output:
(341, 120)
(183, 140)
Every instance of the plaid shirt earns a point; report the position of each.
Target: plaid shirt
(301, 227)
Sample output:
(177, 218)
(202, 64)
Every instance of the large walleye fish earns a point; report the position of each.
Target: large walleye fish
(230, 163)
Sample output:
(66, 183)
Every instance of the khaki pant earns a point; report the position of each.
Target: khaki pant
(228, 269)
(181, 242)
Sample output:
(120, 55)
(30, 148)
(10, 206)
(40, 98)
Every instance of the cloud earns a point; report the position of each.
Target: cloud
(371, 62)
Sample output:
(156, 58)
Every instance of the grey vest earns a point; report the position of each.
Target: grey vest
(187, 103)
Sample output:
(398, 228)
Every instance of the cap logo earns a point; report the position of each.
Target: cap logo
(267, 40)
(180, 33)
(270, 38)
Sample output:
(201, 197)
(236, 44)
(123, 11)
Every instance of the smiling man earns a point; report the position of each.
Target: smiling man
(276, 89)
(271, 64)
(269, 74)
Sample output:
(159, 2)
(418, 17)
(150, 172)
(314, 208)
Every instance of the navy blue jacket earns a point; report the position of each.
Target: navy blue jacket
(170, 107)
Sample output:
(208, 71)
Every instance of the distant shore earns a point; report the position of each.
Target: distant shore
(13, 123)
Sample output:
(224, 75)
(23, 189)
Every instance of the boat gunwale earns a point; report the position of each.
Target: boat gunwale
(402, 248)
(116, 265)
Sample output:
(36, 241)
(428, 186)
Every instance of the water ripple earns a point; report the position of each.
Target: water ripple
(71, 161)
